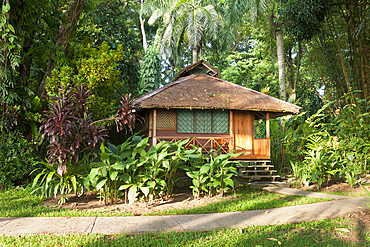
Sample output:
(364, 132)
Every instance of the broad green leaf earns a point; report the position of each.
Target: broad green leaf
(11, 28)
(125, 186)
(74, 184)
(101, 183)
(6, 8)
(145, 190)
(143, 143)
(49, 177)
(151, 184)
(229, 182)
(112, 148)
(104, 157)
(113, 175)
(132, 194)
(216, 183)
(125, 178)
(205, 168)
(166, 164)
(36, 179)
(104, 171)
(102, 147)
(152, 153)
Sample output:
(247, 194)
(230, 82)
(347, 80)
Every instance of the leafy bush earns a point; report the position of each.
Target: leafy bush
(212, 173)
(340, 147)
(72, 135)
(69, 128)
(150, 173)
(138, 172)
(16, 158)
(49, 183)
(320, 162)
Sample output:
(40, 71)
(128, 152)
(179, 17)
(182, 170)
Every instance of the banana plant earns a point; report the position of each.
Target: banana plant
(104, 174)
(220, 171)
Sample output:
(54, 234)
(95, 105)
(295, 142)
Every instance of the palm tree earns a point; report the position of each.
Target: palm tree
(260, 10)
(193, 22)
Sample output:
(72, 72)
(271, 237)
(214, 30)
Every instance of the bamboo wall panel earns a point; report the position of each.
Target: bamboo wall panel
(166, 119)
(243, 131)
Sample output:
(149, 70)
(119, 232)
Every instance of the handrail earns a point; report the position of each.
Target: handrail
(221, 143)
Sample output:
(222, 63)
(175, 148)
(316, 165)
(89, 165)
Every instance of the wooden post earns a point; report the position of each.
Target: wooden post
(154, 127)
(267, 125)
(150, 123)
(231, 130)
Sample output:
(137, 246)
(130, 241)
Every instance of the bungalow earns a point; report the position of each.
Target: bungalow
(218, 114)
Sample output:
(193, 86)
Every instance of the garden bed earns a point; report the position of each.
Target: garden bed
(19, 203)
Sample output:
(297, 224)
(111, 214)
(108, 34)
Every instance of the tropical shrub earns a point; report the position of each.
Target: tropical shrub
(290, 134)
(72, 137)
(49, 183)
(320, 162)
(131, 168)
(338, 147)
(69, 128)
(17, 156)
(352, 128)
(212, 173)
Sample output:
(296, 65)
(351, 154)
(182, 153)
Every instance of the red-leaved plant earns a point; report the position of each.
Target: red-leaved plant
(69, 128)
(126, 115)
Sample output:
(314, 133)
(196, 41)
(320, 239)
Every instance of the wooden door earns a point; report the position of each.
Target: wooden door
(244, 131)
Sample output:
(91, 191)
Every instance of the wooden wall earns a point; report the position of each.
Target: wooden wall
(243, 125)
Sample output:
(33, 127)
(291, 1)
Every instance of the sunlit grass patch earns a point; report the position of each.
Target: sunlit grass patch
(317, 233)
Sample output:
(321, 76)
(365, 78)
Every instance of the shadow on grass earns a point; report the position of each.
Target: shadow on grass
(319, 233)
(246, 200)
(20, 203)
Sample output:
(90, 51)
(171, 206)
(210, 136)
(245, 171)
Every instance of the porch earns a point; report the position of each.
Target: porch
(260, 147)
(225, 131)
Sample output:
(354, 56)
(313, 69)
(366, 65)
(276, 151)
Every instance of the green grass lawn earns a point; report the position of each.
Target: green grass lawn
(20, 203)
(318, 233)
(245, 200)
(345, 193)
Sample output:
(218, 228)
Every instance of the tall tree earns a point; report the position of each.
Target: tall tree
(265, 11)
(62, 40)
(338, 33)
(185, 21)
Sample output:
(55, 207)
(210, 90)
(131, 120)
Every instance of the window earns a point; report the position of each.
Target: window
(202, 121)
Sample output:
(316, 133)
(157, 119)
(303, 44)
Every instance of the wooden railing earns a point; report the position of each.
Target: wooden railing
(206, 143)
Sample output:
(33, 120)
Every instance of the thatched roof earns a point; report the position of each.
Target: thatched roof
(208, 69)
(200, 91)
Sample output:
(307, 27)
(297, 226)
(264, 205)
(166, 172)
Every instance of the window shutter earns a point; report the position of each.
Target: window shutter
(203, 121)
(220, 121)
(185, 121)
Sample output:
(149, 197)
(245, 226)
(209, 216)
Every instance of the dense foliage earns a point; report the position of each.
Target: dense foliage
(325, 147)
(308, 52)
(17, 156)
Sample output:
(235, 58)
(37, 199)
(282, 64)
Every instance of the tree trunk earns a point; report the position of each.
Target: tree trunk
(298, 67)
(195, 55)
(281, 63)
(142, 22)
(4, 76)
(61, 42)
